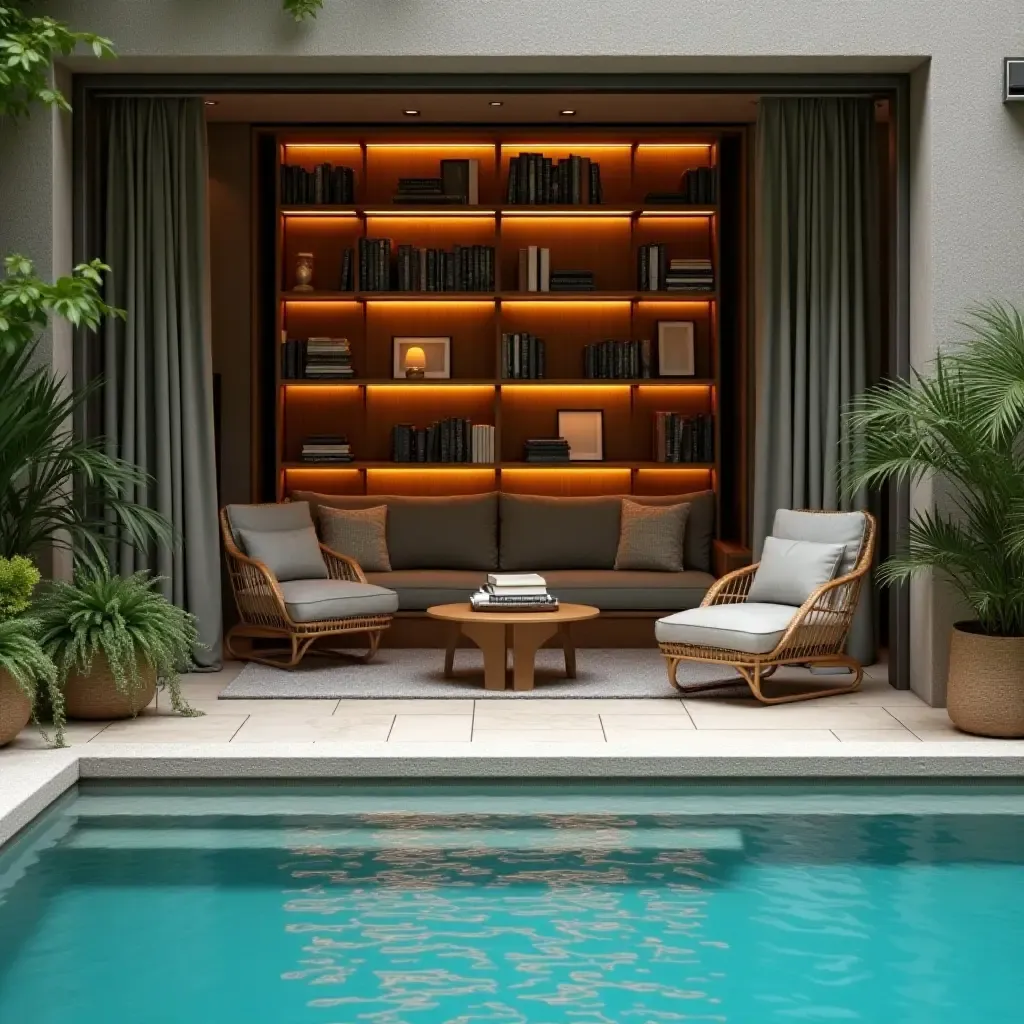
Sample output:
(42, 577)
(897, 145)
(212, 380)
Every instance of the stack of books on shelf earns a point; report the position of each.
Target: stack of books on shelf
(617, 360)
(534, 269)
(325, 184)
(482, 443)
(326, 448)
(458, 185)
(328, 359)
(537, 180)
(293, 358)
(546, 449)
(657, 273)
(679, 438)
(423, 192)
(699, 185)
(522, 357)
(375, 264)
(467, 268)
(572, 281)
(447, 440)
(514, 592)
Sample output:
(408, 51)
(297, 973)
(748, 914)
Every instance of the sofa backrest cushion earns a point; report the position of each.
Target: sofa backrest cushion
(425, 532)
(700, 524)
(559, 533)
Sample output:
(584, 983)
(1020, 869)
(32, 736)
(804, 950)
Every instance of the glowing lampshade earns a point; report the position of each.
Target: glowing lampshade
(415, 361)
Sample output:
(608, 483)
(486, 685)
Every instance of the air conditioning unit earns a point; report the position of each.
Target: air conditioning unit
(1013, 80)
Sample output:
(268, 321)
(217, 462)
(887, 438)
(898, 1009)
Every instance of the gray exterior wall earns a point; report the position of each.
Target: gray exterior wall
(967, 148)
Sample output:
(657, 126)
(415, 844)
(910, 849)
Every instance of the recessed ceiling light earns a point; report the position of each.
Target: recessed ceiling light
(411, 113)
(497, 103)
(568, 113)
(210, 103)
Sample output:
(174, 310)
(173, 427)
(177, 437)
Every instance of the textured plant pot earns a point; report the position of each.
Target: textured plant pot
(15, 709)
(985, 693)
(94, 696)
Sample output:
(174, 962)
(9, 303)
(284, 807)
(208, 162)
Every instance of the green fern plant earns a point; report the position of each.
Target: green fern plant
(124, 620)
(18, 580)
(33, 672)
(963, 422)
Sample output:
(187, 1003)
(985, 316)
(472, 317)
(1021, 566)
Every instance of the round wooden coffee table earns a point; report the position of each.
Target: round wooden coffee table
(524, 632)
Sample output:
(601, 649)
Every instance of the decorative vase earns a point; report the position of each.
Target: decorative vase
(15, 709)
(985, 692)
(94, 696)
(303, 272)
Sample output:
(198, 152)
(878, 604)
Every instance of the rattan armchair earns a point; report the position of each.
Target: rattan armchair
(263, 609)
(816, 634)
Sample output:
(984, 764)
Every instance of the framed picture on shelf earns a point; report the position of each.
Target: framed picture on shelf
(675, 348)
(584, 430)
(421, 358)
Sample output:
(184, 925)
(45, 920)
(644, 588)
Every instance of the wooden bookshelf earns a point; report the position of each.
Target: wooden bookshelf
(604, 239)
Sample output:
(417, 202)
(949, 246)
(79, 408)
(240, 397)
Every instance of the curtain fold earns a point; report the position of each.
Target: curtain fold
(157, 362)
(818, 305)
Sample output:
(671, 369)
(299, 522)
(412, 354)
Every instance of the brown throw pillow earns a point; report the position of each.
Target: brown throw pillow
(360, 533)
(651, 537)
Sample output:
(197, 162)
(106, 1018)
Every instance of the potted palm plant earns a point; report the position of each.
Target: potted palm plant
(114, 640)
(962, 424)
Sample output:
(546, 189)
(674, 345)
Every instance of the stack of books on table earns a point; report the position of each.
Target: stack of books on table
(546, 449)
(514, 592)
(329, 358)
(326, 448)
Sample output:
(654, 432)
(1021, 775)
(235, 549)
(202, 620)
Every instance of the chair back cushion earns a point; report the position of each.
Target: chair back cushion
(847, 528)
(791, 570)
(288, 554)
(651, 537)
(290, 515)
(360, 533)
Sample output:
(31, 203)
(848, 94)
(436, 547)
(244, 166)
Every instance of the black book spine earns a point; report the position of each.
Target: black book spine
(513, 181)
(541, 365)
(524, 356)
(644, 268)
(449, 272)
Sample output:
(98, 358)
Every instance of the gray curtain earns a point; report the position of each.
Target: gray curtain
(158, 393)
(817, 304)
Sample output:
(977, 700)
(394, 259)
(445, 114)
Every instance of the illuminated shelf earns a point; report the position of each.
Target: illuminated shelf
(388, 465)
(611, 382)
(444, 210)
(704, 466)
(388, 382)
(490, 382)
(607, 465)
(291, 296)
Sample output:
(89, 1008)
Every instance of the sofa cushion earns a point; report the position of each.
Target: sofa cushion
(700, 524)
(288, 515)
(360, 533)
(651, 537)
(849, 528)
(749, 628)
(791, 570)
(318, 600)
(288, 554)
(457, 531)
(420, 589)
(559, 533)
(614, 590)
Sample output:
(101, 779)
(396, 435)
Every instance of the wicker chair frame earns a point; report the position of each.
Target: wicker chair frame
(816, 636)
(264, 615)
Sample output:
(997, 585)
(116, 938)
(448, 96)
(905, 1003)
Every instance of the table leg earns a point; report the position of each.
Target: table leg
(454, 632)
(526, 639)
(491, 640)
(569, 651)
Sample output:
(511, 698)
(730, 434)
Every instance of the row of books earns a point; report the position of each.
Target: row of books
(537, 180)
(326, 448)
(698, 185)
(523, 592)
(448, 440)
(546, 449)
(617, 360)
(322, 358)
(457, 185)
(467, 268)
(522, 357)
(325, 184)
(534, 269)
(657, 273)
(679, 438)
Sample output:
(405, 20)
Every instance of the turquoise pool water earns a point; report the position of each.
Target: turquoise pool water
(572, 904)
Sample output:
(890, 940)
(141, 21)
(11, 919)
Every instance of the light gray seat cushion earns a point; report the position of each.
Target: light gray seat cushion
(749, 628)
(420, 589)
(317, 600)
(629, 590)
(847, 528)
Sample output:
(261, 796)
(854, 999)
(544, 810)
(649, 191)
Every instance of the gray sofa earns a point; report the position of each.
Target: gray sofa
(441, 548)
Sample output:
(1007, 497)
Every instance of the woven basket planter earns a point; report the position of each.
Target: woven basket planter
(985, 695)
(15, 709)
(94, 696)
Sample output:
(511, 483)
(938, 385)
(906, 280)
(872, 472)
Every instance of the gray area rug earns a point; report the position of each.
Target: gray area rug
(409, 673)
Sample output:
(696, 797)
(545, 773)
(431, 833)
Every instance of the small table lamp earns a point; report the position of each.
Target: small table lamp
(415, 361)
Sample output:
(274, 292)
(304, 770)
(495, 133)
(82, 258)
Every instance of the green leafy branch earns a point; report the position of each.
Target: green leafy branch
(301, 10)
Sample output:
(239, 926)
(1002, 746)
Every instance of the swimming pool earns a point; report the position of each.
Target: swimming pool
(528, 904)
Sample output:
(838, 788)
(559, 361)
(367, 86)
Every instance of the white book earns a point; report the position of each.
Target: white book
(533, 269)
(516, 579)
(544, 284)
(516, 591)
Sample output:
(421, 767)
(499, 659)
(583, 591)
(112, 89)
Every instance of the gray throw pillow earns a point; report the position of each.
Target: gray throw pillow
(791, 570)
(360, 533)
(288, 554)
(651, 537)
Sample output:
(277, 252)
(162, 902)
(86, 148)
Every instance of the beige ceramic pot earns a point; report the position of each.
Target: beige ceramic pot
(985, 694)
(94, 696)
(15, 709)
